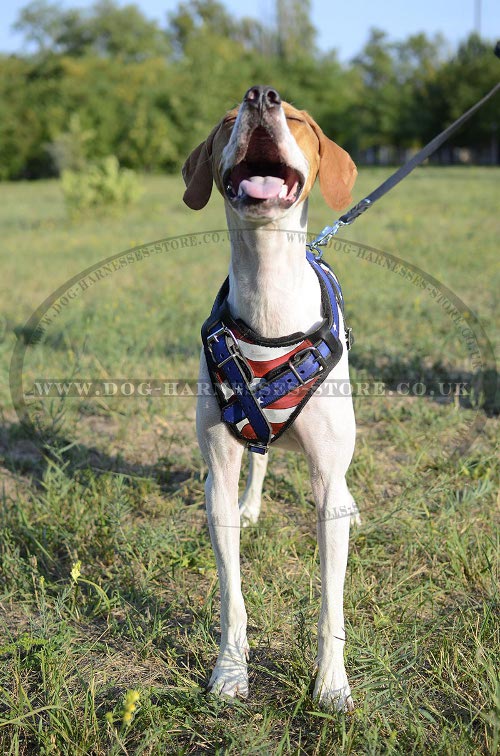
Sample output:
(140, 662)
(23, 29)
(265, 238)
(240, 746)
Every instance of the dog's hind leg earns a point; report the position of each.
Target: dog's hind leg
(251, 500)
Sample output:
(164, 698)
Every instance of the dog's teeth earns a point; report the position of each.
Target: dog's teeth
(240, 191)
(283, 191)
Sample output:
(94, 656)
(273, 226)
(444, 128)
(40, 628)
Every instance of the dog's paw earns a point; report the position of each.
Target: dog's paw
(333, 692)
(230, 676)
(355, 516)
(249, 513)
(337, 700)
(355, 519)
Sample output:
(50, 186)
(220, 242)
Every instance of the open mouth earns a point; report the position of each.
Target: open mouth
(262, 177)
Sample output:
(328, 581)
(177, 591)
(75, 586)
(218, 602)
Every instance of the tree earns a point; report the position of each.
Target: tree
(106, 29)
(379, 100)
(294, 31)
(462, 81)
(148, 95)
(199, 18)
(40, 22)
(417, 62)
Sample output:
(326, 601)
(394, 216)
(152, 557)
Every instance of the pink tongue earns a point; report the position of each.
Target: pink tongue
(261, 187)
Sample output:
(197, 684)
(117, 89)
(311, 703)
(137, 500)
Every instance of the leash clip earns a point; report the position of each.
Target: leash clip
(345, 220)
(323, 238)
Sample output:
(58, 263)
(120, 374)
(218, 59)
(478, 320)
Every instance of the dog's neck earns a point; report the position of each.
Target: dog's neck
(272, 287)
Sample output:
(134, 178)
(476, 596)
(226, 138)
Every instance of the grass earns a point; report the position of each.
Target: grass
(118, 488)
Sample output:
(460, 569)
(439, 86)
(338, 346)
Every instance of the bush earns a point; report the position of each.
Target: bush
(70, 149)
(101, 184)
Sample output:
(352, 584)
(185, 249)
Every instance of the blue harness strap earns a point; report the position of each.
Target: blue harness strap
(246, 400)
(223, 349)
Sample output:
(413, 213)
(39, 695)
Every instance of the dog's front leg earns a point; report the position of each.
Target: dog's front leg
(332, 687)
(329, 450)
(223, 454)
(230, 673)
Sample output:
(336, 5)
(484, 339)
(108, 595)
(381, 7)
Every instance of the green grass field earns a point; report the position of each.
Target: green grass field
(108, 581)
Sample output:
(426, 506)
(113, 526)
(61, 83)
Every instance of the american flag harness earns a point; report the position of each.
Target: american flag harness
(262, 384)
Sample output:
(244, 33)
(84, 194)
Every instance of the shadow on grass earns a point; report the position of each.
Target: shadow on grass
(24, 452)
(442, 385)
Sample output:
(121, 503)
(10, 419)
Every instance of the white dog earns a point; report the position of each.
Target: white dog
(264, 158)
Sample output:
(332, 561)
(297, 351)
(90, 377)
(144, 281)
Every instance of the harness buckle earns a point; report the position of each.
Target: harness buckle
(232, 346)
(234, 356)
(349, 338)
(293, 363)
(257, 447)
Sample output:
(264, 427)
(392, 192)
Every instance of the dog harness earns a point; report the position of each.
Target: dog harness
(262, 384)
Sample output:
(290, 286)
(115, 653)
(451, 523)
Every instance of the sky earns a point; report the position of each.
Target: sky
(341, 25)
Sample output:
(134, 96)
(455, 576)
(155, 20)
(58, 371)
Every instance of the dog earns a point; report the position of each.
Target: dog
(264, 157)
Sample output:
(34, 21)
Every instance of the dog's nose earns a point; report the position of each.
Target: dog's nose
(262, 97)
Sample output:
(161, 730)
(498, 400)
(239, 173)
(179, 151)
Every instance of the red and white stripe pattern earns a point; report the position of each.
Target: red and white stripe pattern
(263, 359)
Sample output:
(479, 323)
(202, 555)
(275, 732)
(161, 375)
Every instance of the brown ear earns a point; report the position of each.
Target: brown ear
(197, 173)
(337, 172)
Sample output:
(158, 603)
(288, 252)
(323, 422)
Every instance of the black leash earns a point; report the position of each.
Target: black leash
(350, 216)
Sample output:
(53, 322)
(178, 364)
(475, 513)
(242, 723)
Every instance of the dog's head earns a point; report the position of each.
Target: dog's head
(264, 157)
